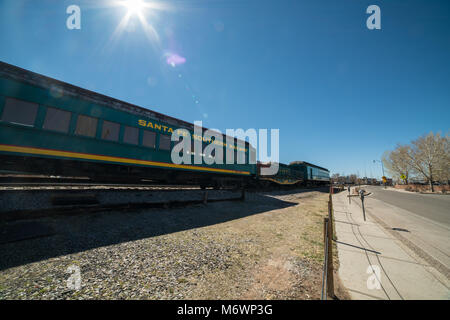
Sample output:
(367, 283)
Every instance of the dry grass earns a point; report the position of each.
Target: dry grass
(282, 253)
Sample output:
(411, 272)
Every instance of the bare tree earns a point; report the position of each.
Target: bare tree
(443, 169)
(398, 162)
(429, 155)
(353, 178)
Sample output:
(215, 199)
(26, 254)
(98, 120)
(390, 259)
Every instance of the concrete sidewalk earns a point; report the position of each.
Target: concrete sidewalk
(376, 265)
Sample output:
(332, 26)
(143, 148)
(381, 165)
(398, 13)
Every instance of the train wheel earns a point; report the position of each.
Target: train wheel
(218, 185)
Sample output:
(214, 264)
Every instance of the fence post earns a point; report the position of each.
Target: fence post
(325, 260)
(331, 204)
(330, 217)
(330, 278)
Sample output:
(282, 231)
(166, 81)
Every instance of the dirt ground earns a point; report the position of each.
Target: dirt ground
(268, 247)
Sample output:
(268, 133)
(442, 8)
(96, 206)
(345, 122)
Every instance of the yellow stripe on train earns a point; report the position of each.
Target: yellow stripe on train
(30, 150)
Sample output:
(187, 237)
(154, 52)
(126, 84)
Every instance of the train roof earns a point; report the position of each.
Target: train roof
(45, 82)
(268, 164)
(307, 164)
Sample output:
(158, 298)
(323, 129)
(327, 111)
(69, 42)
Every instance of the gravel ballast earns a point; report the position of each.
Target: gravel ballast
(267, 247)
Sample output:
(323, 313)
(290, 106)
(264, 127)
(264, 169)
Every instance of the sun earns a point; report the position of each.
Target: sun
(134, 6)
(145, 11)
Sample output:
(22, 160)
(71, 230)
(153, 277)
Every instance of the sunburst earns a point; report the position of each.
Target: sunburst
(134, 6)
(140, 9)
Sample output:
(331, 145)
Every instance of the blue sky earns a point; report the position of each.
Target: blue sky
(339, 93)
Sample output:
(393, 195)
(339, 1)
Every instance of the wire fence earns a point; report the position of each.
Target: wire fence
(327, 276)
(324, 294)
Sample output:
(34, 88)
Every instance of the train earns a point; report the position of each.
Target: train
(50, 127)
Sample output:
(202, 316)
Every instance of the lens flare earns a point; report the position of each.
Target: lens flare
(134, 6)
(174, 59)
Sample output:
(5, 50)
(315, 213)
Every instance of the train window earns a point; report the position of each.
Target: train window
(19, 112)
(86, 126)
(131, 135)
(110, 131)
(149, 139)
(164, 142)
(57, 120)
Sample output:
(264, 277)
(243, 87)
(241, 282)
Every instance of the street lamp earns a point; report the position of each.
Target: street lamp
(382, 168)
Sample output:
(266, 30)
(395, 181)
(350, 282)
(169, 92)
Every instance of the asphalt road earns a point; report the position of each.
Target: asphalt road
(433, 207)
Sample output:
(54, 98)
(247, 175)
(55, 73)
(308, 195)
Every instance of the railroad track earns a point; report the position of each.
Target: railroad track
(92, 186)
(29, 183)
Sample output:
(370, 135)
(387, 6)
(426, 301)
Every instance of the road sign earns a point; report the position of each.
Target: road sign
(384, 179)
(403, 177)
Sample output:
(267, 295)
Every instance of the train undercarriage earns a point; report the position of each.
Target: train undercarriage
(114, 173)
